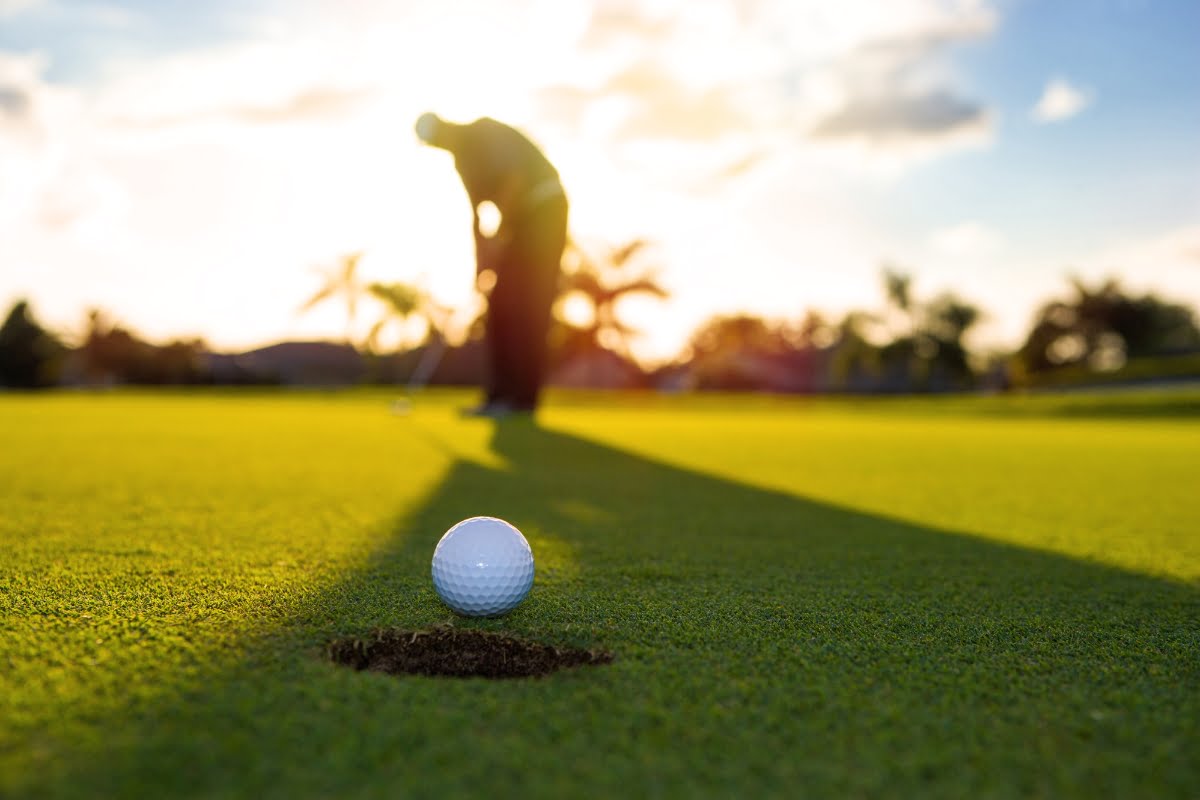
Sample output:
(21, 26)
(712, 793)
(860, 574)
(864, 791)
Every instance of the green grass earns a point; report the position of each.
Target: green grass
(993, 597)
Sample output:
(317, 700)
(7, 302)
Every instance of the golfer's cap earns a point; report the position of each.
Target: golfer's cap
(427, 127)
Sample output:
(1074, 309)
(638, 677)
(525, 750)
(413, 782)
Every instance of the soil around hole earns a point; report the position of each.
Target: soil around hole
(449, 652)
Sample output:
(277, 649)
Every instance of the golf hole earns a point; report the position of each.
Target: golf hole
(453, 653)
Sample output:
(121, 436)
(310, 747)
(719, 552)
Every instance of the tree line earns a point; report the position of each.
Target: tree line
(908, 343)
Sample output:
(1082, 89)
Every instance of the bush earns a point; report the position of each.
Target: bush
(29, 354)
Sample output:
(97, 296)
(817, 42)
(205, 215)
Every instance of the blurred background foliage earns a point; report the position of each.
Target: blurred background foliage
(1089, 335)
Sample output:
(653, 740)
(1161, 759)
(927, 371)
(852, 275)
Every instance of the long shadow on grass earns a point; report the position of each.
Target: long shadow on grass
(764, 643)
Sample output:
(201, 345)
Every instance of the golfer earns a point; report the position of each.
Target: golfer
(518, 266)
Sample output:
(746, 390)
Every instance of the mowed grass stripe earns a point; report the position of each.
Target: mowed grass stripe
(1118, 491)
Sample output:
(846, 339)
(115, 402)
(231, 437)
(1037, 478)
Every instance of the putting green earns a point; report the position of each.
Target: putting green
(939, 597)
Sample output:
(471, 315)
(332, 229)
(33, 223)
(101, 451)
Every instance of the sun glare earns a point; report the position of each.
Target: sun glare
(576, 310)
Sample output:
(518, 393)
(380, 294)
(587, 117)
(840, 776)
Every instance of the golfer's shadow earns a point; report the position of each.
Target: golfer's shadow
(716, 590)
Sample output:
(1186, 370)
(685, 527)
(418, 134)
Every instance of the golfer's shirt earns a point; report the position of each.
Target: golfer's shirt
(548, 189)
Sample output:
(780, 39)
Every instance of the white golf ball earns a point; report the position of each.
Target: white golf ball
(482, 567)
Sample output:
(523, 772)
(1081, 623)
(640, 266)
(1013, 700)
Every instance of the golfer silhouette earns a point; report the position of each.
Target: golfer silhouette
(517, 264)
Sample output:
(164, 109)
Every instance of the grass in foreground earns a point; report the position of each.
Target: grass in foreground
(803, 598)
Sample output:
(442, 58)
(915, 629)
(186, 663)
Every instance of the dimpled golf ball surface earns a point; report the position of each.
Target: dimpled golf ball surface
(482, 567)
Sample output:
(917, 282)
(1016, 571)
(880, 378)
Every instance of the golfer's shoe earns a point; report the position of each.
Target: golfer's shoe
(496, 409)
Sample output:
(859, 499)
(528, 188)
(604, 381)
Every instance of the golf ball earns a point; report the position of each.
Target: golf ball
(482, 567)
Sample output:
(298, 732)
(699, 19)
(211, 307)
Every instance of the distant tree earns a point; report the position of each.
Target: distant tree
(112, 354)
(29, 353)
(1147, 325)
(898, 290)
(604, 282)
(856, 362)
(737, 333)
(1100, 327)
(177, 363)
(813, 332)
(928, 351)
(740, 352)
(399, 301)
(945, 321)
(341, 282)
(948, 318)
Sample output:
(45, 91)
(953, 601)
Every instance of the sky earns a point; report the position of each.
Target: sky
(190, 168)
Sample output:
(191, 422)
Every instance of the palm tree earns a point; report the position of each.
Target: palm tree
(1105, 325)
(341, 281)
(399, 300)
(403, 300)
(897, 286)
(947, 318)
(604, 283)
(929, 340)
(950, 317)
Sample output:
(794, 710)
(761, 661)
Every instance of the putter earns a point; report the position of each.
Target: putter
(420, 376)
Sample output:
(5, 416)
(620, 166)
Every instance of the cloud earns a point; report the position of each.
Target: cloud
(311, 104)
(898, 118)
(24, 102)
(19, 85)
(307, 105)
(10, 8)
(648, 73)
(50, 180)
(616, 23)
(1060, 101)
(14, 101)
(894, 91)
(967, 239)
(661, 106)
(73, 14)
(776, 76)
